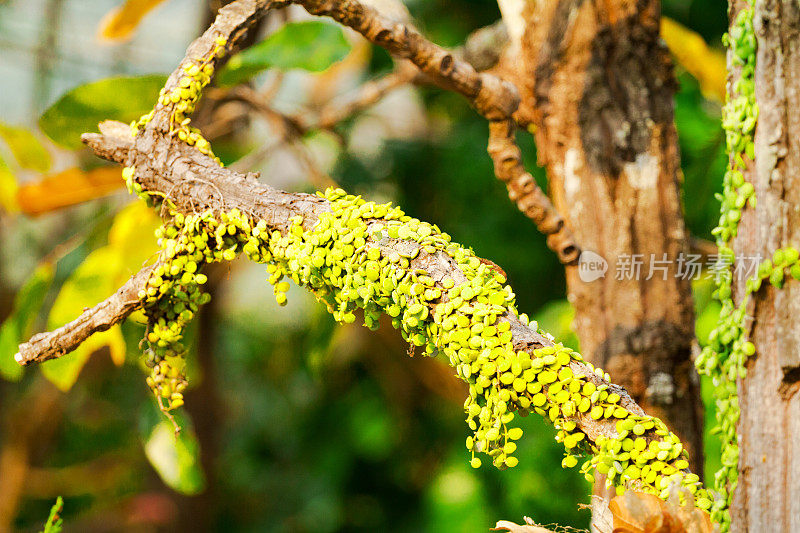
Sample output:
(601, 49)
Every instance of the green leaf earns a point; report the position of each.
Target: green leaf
(312, 45)
(176, 458)
(54, 522)
(26, 148)
(17, 326)
(81, 109)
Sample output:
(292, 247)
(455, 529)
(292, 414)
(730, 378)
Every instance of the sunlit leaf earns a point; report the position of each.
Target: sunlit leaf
(8, 188)
(17, 327)
(66, 188)
(26, 148)
(130, 244)
(176, 459)
(131, 237)
(82, 108)
(707, 65)
(312, 45)
(120, 23)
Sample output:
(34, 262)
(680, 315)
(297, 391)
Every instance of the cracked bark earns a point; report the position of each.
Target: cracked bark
(767, 497)
(596, 87)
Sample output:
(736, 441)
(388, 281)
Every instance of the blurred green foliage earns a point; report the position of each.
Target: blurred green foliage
(80, 110)
(311, 45)
(294, 423)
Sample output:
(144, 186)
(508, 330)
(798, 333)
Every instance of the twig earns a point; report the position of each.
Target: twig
(522, 190)
(703, 247)
(363, 97)
(290, 131)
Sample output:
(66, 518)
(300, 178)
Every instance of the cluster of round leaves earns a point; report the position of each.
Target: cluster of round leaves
(723, 359)
(365, 256)
(173, 293)
(183, 98)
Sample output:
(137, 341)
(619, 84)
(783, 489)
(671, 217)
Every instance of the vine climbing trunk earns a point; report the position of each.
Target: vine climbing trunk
(597, 87)
(767, 497)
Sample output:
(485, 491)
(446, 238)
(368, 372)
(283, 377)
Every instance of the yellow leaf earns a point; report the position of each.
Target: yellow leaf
(8, 188)
(132, 238)
(89, 284)
(27, 149)
(120, 23)
(708, 66)
(66, 188)
(130, 244)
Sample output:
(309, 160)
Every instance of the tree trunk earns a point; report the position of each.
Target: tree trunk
(597, 88)
(767, 497)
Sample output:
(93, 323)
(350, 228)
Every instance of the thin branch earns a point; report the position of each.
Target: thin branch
(522, 190)
(296, 125)
(54, 344)
(703, 247)
(288, 126)
(494, 98)
(366, 95)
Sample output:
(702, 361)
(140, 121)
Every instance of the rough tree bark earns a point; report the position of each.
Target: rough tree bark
(767, 497)
(597, 86)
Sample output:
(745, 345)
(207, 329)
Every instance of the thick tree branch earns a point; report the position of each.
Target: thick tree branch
(175, 172)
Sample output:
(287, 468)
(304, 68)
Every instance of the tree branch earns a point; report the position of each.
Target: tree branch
(175, 171)
(365, 96)
(522, 190)
(191, 182)
(54, 344)
(493, 97)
